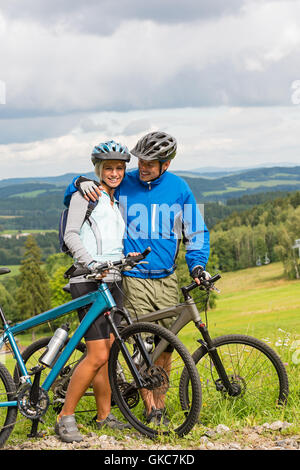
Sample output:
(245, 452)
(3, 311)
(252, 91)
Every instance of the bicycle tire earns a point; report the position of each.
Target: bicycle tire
(8, 414)
(254, 368)
(181, 420)
(31, 356)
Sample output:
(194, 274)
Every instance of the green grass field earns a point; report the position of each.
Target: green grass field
(258, 302)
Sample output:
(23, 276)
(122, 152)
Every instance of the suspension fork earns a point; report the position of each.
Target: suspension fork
(214, 356)
(121, 343)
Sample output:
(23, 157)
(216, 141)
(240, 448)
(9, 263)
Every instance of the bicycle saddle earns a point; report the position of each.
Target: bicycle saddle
(4, 270)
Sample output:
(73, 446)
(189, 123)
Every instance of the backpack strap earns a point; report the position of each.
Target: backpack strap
(91, 207)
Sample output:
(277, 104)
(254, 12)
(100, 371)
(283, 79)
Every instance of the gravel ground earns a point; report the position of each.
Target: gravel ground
(269, 436)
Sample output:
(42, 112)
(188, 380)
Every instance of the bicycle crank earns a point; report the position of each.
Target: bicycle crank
(32, 407)
(130, 394)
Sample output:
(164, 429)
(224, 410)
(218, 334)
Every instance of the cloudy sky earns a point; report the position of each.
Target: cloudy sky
(222, 76)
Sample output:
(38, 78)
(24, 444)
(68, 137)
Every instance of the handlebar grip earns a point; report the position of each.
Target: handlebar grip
(146, 252)
(139, 257)
(190, 287)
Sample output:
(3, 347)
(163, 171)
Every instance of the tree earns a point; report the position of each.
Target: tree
(8, 303)
(33, 295)
(289, 232)
(59, 297)
(55, 261)
(57, 282)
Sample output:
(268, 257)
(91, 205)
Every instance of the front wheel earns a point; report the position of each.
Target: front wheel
(257, 376)
(162, 377)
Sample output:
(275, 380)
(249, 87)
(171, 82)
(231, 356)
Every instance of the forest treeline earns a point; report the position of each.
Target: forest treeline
(266, 230)
(12, 249)
(33, 209)
(241, 232)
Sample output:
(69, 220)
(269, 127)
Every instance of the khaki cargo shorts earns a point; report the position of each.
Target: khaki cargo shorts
(147, 295)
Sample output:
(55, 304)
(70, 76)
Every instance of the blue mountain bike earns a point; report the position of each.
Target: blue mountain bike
(135, 366)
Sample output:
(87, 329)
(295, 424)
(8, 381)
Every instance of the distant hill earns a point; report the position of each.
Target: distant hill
(62, 180)
(216, 187)
(246, 182)
(36, 203)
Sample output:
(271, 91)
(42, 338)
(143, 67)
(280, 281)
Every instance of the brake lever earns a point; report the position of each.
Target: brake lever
(207, 285)
(132, 264)
(213, 287)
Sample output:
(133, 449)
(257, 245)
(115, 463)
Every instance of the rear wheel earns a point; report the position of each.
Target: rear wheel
(8, 414)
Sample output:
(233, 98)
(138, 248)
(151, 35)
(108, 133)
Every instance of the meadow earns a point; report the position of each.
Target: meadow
(258, 302)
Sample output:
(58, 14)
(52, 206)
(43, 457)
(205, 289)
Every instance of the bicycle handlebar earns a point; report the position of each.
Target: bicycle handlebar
(128, 261)
(206, 283)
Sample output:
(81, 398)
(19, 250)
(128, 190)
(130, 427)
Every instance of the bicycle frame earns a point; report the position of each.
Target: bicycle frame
(101, 300)
(185, 313)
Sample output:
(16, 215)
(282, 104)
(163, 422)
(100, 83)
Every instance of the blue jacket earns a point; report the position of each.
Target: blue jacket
(159, 214)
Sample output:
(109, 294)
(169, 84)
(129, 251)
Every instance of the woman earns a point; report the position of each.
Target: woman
(98, 239)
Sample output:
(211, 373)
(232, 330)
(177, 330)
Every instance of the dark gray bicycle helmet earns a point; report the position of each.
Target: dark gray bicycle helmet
(156, 146)
(110, 151)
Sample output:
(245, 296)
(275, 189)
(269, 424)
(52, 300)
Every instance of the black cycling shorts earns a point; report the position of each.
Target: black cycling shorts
(100, 329)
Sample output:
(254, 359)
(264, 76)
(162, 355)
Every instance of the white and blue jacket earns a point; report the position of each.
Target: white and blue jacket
(159, 214)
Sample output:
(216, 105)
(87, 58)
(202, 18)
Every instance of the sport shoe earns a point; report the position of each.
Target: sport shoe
(67, 430)
(112, 422)
(157, 417)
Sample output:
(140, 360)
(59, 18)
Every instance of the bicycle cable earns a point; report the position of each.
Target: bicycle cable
(115, 282)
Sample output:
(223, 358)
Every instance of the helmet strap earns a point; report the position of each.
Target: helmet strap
(160, 168)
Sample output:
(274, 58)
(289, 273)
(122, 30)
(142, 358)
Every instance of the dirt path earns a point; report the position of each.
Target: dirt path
(274, 436)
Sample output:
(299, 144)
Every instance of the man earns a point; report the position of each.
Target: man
(159, 210)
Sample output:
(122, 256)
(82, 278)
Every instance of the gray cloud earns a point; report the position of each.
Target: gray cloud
(104, 16)
(36, 128)
(65, 61)
(137, 126)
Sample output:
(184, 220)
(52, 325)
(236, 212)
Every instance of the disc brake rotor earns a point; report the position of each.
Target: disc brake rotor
(157, 379)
